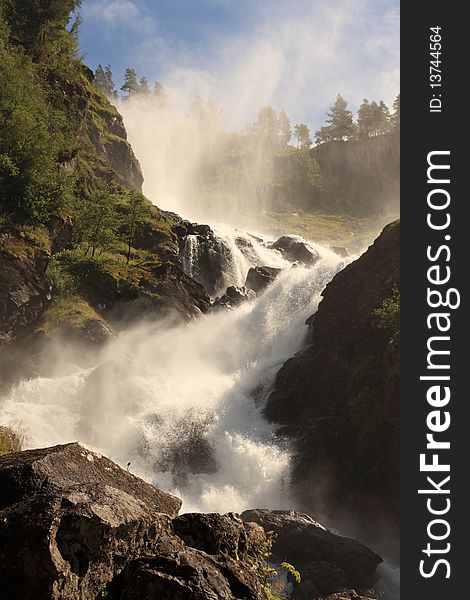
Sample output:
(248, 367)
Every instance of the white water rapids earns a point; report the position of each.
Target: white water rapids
(184, 404)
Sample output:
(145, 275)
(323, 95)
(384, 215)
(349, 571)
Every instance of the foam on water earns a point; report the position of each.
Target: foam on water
(184, 404)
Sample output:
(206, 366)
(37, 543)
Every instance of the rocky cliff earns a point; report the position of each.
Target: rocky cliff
(361, 177)
(75, 526)
(50, 286)
(338, 399)
(354, 177)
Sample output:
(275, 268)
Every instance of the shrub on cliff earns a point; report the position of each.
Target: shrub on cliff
(11, 440)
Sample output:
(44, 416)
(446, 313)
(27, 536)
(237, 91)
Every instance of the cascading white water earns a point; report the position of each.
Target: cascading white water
(184, 405)
(190, 254)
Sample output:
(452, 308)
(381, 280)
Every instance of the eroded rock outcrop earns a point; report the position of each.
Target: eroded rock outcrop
(187, 575)
(24, 293)
(75, 526)
(259, 278)
(71, 519)
(204, 256)
(295, 249)
(214, 533)
(233, 297)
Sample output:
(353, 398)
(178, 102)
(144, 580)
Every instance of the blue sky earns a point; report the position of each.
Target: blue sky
(295, 55)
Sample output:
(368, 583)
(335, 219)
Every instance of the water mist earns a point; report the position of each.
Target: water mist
(184, 405)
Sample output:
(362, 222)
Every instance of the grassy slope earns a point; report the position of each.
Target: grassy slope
(332, 229)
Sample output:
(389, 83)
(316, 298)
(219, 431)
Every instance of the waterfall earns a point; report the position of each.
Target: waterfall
(190, 255)
(184, 404)
(224, 258)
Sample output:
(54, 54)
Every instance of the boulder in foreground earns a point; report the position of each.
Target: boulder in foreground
(327, 562)
(75, 526)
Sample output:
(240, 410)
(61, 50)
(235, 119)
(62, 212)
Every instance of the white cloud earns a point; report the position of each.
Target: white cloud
(118, 14)
(296, 56)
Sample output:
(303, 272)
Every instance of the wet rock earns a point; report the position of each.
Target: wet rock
(296, 250)
(327, 561)
(205, 258)
(340, 251)
(346, 595)
(185, 449)
(214, 533)
(233, 297)
(165, 292)
(94, 332)
(259, 278)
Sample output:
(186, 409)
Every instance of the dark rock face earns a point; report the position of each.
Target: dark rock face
(296, 250)
(259, 278)
(75, 526)
(204, 257)
(360, 177)
(119, 155)
(166, 291)
(93, 332)
(187, 575)
(214, 533)
(338, 399)
(102, 128)
(23, 290)
(327, 562)
(70, 519)
(233, 297)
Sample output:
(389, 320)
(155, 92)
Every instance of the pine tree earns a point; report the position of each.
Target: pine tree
(109, 83)
(302, 135)
(324, 135)
(395, 116)
(379, 118)
(284, 129)
(100, 79)
(144, 88)
(340, 120)
(364, 119)
(41, 26)
(130, 85)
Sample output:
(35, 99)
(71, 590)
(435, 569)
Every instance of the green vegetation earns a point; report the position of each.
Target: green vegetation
(32, 187)
(11, 439)
(372, 119)
(61, 143)
(70, 312)
(272, 162)
(340, 123)
(388, 313)
(332, 229)
(271, 584)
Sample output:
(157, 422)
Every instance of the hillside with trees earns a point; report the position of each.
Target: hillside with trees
(76, 234)
(73, 216)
